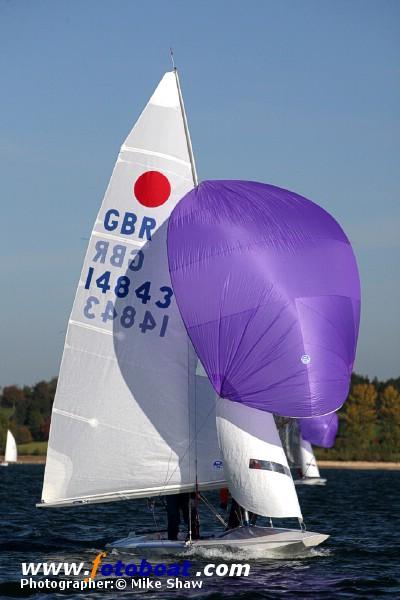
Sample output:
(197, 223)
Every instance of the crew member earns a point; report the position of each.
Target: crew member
(178, 504)
(236, 513)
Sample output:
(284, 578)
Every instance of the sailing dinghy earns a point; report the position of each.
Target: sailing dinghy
(134, 416)
(299, 452)
(310, 474)
(10, 454)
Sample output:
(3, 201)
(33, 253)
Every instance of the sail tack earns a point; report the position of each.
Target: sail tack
(123, 422)
(268, 287)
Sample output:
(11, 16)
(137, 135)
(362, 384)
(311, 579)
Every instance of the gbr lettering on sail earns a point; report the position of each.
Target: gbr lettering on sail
(116, 280)
(125, 285)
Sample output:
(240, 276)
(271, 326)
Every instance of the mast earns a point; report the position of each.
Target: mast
(196, 182)
(185, 123)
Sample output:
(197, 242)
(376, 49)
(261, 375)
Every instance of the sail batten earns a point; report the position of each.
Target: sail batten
(91, 327)
(125, 148)
(117, 238)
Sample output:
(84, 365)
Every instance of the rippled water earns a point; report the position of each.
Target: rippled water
(357, 508)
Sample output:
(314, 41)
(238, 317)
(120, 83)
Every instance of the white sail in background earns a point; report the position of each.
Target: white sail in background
(11, 449)
(255, 464)
(308, 463)
(123, 421)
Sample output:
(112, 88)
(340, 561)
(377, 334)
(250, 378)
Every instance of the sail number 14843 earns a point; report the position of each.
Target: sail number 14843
(123, 287)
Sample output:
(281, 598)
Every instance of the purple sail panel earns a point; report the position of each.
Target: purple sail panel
(320, 431)
(268, 288)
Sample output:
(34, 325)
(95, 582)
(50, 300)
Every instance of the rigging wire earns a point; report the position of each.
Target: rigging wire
(213, 510)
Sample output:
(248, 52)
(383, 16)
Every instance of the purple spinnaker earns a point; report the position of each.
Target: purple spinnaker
(267, 285)
(320, 431)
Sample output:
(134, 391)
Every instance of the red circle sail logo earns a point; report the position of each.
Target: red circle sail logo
(152, 189)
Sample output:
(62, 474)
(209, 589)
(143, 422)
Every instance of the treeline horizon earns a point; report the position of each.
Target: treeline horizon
(369, 421)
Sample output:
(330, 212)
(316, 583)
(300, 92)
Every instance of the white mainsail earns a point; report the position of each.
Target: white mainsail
(125, 412)
(308, 463)
(10, 454)
(255, 464)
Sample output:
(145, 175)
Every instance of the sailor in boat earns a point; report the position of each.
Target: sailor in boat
(236, 513)
(178, 504)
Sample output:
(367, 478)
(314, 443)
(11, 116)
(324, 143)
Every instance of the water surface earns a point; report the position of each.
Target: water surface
(357, 508)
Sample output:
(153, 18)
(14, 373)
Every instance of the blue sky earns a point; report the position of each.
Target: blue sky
(300, 94)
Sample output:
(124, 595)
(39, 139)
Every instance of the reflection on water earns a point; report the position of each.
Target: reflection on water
(359, 560)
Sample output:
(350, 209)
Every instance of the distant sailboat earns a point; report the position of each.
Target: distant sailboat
(134, 416)
(318, 431)
(10, 454)
(310, 474)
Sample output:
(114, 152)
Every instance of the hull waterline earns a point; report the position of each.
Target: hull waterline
(310, 481)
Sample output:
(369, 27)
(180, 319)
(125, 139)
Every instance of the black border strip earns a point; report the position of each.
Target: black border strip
(267, 465)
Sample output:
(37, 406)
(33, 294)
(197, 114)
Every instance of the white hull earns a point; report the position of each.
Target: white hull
(260, 539)
(310, 481)
(4, 464)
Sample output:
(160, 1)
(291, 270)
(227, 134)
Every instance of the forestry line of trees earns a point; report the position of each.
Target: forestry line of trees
(369, 421)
